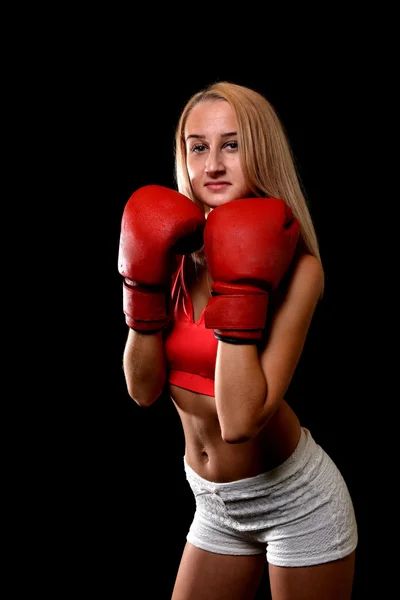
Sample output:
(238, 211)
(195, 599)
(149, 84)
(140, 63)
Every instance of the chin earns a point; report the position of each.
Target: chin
(215, 201)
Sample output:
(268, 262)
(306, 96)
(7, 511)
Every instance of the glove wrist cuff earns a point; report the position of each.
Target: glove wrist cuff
(146, 310)
(236, 314)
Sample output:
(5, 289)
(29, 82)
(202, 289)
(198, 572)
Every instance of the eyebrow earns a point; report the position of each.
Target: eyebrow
(200, 137)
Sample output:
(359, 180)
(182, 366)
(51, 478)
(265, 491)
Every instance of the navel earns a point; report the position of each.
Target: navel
(204, 457)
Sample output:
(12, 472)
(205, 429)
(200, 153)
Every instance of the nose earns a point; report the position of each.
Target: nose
(214, 164)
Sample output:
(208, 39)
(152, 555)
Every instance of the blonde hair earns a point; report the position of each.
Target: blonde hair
(266, 155)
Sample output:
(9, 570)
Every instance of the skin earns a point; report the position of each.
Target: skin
(213, 159)
(217, 177)
(250, 384)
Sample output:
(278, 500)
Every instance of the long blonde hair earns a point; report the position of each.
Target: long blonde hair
(266, 155)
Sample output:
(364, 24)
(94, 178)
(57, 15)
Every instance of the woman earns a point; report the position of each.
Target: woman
(235, 254)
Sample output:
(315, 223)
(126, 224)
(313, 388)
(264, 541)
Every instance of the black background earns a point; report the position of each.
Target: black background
(126, 506)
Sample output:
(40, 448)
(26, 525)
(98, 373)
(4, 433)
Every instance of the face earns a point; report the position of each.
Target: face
(212, 151)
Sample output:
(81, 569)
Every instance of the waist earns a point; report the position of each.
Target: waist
(284, 470)
(215, 460)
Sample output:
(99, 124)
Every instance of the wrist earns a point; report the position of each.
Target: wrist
(237, 318)
(147, 310)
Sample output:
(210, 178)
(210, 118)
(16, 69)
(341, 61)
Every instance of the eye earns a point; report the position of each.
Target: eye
(197, 148)
(232, 145)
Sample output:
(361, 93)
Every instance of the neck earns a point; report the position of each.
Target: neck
(199, 271)
(199, 258)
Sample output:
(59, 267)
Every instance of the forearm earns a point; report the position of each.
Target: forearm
(240, 391)
(144, 366)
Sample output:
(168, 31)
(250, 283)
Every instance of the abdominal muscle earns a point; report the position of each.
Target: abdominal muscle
(214, 459)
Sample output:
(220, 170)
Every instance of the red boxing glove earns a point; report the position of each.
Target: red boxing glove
(249, 245)
(157, 224)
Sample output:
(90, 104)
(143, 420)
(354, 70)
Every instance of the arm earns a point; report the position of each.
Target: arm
(144, 366)
(250, 385)
(157, 225)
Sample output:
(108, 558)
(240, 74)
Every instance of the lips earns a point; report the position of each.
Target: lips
(217, 185)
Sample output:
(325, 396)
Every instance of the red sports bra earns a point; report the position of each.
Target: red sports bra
(190, 348)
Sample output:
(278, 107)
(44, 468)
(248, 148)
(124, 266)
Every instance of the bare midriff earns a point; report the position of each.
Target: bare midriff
(216, 460)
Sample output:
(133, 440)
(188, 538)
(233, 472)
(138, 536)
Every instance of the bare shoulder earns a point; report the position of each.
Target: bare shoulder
(308, 275)
(302, 289)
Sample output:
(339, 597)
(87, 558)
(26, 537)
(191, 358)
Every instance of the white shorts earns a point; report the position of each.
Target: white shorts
(299, 513)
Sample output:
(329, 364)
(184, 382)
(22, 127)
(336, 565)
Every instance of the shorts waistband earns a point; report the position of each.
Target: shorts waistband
(292, 464)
